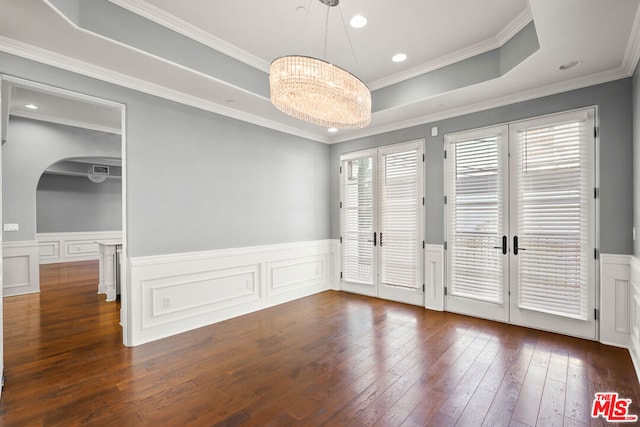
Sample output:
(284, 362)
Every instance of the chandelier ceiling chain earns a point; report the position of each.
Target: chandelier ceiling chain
(319, 92)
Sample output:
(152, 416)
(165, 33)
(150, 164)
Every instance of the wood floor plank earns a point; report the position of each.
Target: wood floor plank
(329, 359)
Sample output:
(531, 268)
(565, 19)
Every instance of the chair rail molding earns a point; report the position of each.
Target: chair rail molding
(180, 292)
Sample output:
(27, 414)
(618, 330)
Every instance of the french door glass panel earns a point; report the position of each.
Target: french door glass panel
(382, 222)
(358, 216)
(477, 269)
(401, 222)
(532, 184)
(552, 204)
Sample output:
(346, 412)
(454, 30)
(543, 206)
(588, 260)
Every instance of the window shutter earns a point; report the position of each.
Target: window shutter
(400, 217)
(357, 226)
(554, 182)
(476, 219)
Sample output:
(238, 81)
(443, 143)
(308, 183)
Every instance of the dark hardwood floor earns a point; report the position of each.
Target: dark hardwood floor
(330, 359)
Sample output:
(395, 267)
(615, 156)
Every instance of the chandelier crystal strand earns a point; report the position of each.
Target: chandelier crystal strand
(319, 92)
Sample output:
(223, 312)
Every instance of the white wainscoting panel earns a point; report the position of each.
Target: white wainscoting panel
(615, 299)
(180, 292)
(76, 246)
(21, 274)
(288, 274)
(634, 336)
(434, 277)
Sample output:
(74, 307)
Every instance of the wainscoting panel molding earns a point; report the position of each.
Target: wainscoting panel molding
(634, 336)
(185, 291)
(434, 277)
(68, 247)
(615, 299)
(21, 274)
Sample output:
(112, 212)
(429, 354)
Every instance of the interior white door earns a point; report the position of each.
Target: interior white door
(477, 273)
(521, 223)
(553, 224)
(382, 222)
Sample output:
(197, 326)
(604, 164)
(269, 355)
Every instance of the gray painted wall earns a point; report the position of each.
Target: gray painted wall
(73, 203)
(614, 104)
(32, 146)
(199, 181)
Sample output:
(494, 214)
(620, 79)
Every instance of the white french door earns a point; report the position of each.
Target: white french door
(521, 223)
(478, 223)
(382, 222)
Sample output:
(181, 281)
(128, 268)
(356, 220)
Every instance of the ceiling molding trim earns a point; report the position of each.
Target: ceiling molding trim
(66, 122)
(44, 56)
(156, 57)
(160, 17)
(632, 53)
(549, 90)
(513, 27)
(479, 48)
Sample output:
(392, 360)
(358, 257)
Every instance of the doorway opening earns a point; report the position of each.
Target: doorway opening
(60, 151)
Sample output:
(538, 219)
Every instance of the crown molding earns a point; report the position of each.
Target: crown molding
(514, 27)
(528, 95)
(160, 17)
(66, 122)
(632, 53)
(44, 56)
(517, 24)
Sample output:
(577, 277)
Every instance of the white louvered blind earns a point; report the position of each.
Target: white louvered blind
(554, 184)
(399, 218)
(357, 217)
(476, 219)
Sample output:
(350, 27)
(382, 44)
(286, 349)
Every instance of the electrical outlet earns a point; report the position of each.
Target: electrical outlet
(166, 302)
(11, 227)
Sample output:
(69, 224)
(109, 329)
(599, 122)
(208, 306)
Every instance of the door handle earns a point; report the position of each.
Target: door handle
(374, 239)
(516, 249)
(504, 245)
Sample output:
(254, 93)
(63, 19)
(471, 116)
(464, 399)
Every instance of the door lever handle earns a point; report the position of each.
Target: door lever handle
(504, 245)
(516, 249)
(374, 241)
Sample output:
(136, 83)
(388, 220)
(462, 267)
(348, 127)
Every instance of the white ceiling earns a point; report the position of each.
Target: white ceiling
(603, 34)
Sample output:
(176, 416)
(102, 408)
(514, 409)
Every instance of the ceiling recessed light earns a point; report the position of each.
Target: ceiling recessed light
(399, 57)
(358, 21)
(333, 130)
(230, 101)
(569, 65)
(31, 106)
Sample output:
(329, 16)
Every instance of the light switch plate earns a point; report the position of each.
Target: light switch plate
(11, 227)
(434, 131)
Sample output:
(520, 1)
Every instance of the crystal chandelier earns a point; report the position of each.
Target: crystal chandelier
(319, 92)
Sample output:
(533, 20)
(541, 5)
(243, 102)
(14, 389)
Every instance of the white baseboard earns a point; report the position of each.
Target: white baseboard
(21, 274)
(434, 277)
(73, 246)
(181, 292)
